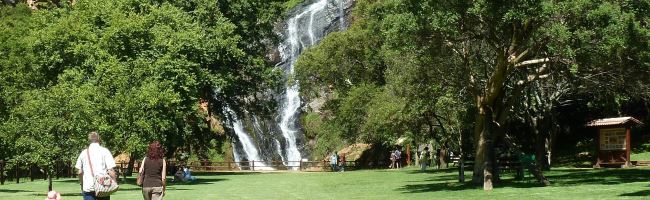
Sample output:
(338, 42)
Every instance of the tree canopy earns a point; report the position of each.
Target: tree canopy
(133, 70)
(484, 61)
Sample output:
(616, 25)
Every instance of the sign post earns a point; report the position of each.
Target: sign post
(613, 141)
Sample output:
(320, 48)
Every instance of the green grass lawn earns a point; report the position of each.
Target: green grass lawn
(640, 156)
(567, 183)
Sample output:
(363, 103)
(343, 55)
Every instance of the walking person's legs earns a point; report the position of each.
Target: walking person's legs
(157, 193)
(88, 195)
(147, 193)
(91, 196)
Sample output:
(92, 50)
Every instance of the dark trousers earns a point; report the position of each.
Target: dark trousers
(334, 168)
(91, 196)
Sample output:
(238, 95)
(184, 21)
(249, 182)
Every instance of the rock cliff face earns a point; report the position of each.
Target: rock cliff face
(336, 16)
(279, 136)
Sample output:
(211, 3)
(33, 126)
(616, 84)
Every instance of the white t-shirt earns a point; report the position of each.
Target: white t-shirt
(102, 160)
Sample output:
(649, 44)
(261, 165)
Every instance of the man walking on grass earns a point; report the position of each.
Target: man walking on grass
(102, 163)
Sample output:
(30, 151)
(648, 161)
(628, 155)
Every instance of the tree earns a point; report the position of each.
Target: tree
(493, 53)
(133, 70)
(384, 49)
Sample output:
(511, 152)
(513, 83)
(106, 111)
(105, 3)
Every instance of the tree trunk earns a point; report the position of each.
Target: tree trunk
(488, 166)
(56, 169)
(540, 138)
(443, 158)
(2, 172)
(17, 173)
(408, 154)
(49, 177)
(484, 161)
(491, 106)
(31, 173)
(68, 169)
(551, 143)
(129, 168)
(461, 155)
(479, 156)
(488, 161)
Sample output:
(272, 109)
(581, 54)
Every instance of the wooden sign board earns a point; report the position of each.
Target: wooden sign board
(613, 139)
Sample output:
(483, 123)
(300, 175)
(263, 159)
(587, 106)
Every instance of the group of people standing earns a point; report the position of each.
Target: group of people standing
(425, 158)
(97, 160)
(395, 159)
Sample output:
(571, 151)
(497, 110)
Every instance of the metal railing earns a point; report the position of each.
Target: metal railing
(15, 171)
(211, 166)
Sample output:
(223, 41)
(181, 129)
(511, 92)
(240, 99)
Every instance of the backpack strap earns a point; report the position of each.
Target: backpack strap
(89, 162)
(142, 166)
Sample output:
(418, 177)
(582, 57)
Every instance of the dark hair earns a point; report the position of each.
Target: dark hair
(155, 151)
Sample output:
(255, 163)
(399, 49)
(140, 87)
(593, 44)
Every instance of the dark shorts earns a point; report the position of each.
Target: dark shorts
(91, 196)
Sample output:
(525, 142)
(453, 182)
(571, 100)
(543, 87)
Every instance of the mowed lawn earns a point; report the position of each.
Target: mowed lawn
(567, 183)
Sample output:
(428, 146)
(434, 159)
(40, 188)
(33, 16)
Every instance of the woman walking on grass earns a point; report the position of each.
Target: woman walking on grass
(153, 170)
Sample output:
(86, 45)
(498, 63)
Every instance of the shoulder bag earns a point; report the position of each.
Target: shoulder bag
(141, 173)
(104, 185)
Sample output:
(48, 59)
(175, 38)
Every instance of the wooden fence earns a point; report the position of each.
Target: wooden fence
(209, 166)
(15, 171)
(65, 169)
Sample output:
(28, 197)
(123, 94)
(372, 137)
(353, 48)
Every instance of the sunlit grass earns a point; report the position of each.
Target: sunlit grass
(567, 183)
(640, 156)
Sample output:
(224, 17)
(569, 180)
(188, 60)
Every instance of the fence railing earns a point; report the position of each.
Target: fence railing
(210, 166)
(15, 171)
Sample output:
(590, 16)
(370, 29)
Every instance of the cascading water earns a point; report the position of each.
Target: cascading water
(306, 27)
(250, 149)
(290, 109)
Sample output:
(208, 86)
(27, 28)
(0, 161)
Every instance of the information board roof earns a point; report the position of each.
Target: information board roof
(615, 121)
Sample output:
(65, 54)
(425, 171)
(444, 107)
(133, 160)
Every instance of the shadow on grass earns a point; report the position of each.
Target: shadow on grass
(455, 186)
(13, 191)
(44, 194)
(435, 187)
(201, 178)
(446, 177)
(597, 176)
(199, 181)
(642, 193)
(558, 177)
(67, 181)
(434, 171)
(227, 173)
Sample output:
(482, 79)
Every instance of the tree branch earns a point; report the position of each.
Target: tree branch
(518, 57)
(532, 62)
(540, 73)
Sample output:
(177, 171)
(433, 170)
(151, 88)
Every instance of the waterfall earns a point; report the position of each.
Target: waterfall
(250, 149)
(291, 105)
(281, 138)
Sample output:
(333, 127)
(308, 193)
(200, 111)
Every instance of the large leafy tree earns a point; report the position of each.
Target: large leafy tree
(133, 70)
(506, 46)
(382, 86)
(496, 55)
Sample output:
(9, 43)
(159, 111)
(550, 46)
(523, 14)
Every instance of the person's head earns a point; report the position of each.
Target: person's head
(426, 148)
(93, 137)
(155, 151)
